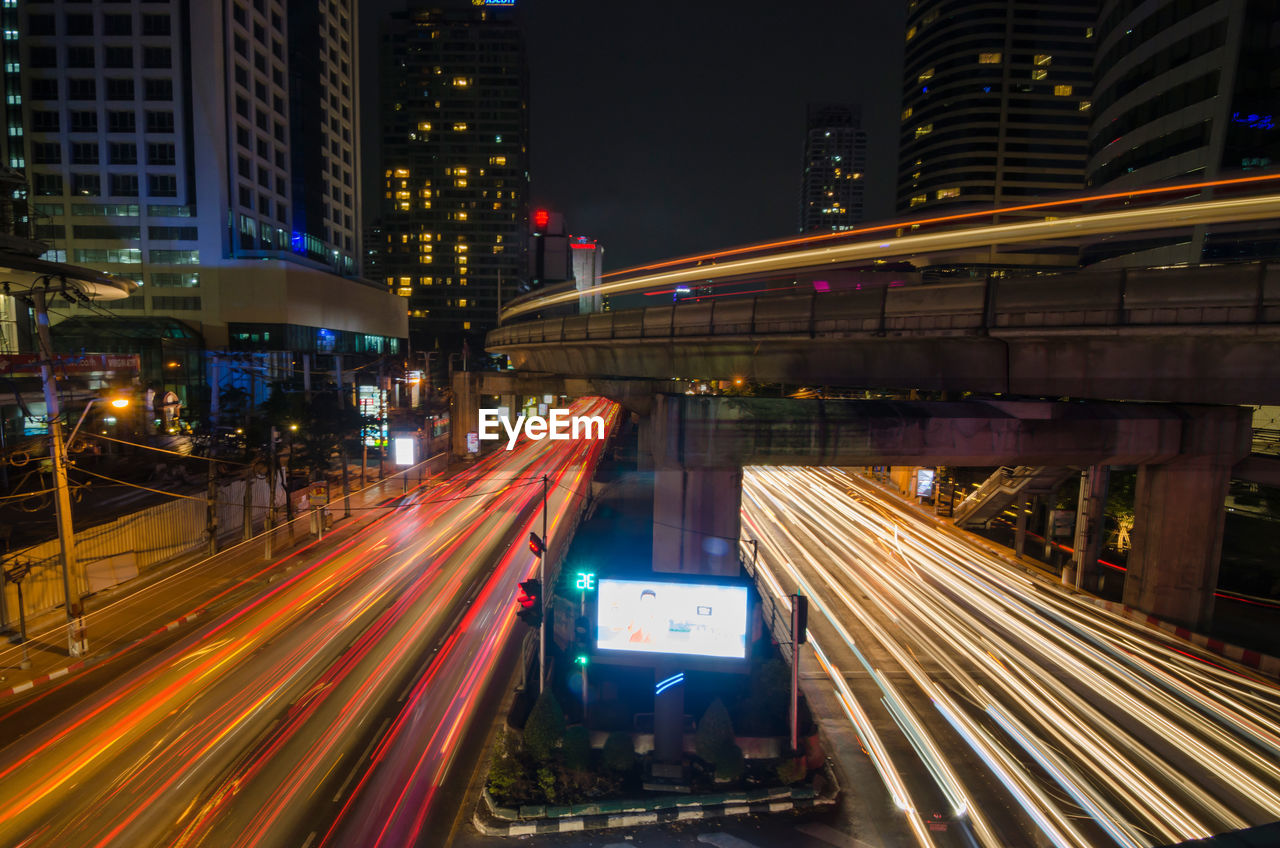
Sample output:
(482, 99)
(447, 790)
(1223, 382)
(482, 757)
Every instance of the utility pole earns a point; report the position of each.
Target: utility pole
(269, 521)
(542, 578)
(58, 452)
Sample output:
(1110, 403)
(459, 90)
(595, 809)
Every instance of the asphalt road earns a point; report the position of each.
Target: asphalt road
(996, 705)
(326, 706)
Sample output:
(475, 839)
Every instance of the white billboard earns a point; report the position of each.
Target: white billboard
(658, 617)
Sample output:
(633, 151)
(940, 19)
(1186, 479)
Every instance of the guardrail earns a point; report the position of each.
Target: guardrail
(1211, 295)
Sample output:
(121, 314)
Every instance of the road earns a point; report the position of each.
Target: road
(997, 708)
(327, 708)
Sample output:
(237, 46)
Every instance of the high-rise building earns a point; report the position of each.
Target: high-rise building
(207, 150)
(995, 101)
(455, 129)
(835, 160)
(1186, 91)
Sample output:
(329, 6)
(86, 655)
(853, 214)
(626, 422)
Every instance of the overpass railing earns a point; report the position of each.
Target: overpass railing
(1208, 295)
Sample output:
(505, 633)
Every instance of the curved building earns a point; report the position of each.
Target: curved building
(1185, 89)
(995, 100)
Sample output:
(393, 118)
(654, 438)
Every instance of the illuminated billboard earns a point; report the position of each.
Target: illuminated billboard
(659, 617)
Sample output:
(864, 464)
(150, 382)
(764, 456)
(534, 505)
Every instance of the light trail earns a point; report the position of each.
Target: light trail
(1101, 731)
(239, 734)
(1182, 214)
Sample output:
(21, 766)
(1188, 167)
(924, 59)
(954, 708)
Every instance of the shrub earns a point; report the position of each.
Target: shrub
(508, 774)
(730, 763)
(577, 748)
(791, 770)
(619, 754)
(547, 783)
(544, 730)
(715, 733)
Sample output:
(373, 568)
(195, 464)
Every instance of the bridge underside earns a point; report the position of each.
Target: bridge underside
(1148, 364)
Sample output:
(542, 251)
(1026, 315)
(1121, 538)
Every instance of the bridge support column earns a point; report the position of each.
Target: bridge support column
(1179, 510)
(464, 414)
(644, 443)
(696, 520)
(1090, 529)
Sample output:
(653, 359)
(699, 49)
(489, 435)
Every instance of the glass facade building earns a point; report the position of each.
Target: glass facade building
(455, 129)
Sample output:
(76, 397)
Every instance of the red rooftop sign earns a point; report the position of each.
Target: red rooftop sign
(28, 364)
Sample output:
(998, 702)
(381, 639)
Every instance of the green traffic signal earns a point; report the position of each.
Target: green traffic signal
(580, 659)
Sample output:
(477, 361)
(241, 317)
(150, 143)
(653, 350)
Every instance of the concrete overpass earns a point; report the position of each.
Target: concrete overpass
(1185, 335)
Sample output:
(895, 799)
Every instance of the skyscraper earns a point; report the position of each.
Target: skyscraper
(208, 151)
(995, 101)
(1185, 92)
(835, 159)
(455, 126)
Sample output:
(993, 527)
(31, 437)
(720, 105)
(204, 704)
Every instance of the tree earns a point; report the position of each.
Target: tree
(545, 728)
(508, 774)
(730, 763)
(714, 733)
(577, 748)
(619, 754)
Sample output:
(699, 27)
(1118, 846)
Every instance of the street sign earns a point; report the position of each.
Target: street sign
(319, 493)
(473, 442)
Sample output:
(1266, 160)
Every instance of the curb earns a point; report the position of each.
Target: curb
(41, 679)
(1264, 664)
(1256, 660)
(682, 809)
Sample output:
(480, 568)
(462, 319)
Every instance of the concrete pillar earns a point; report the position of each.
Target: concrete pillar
(1179, 510)
(696, 520)
(1090, 527)
(644, 443)
(464, 414)
(1022, 505)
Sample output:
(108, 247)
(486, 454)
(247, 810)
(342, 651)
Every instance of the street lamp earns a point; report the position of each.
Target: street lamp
(62, 500)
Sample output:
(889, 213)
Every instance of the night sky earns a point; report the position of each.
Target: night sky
(676, 126)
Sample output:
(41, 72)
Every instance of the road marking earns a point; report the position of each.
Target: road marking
(310, 839)
(831, 836)
(360, 759)
(724, 840)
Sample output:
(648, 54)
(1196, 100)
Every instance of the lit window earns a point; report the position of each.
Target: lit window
(925, 75)
(402, 172)
(919, 200)
(1062, 90)
(497, 160)
(462, 301)
(1085, 105)
(461, 82)
(404, 281)
(989, 58)
(906, 113)
(924, 129)
(1039, 73)
(425, 126)
(911, 33)
(466, 325)
(1043, 59)
(462, 172)
(460, 126)
(404, 291)
(1088, 32)
(948, 192)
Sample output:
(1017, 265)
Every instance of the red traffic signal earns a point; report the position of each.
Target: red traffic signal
(536, 545)
(530, 600)
(530, 591)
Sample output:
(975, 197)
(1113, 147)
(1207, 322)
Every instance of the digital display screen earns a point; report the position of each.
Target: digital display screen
(657, 617)
(924, 482)
(402, 450)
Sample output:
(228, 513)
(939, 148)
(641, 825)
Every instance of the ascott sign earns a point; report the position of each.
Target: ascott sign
(558, 426)
(661, 617)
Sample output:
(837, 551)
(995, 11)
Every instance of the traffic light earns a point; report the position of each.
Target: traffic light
(536, 545)
(530, 600)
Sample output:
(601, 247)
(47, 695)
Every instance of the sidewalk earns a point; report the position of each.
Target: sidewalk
(161, 600)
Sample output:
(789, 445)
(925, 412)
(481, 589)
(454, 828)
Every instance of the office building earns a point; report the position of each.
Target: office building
(995, 102)
(455, 128)
(835, 161)
(207, 150)
(1186, 92)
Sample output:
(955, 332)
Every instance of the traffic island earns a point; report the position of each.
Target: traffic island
(493, 819)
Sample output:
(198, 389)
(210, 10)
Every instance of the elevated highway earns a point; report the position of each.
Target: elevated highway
(1182, 335)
